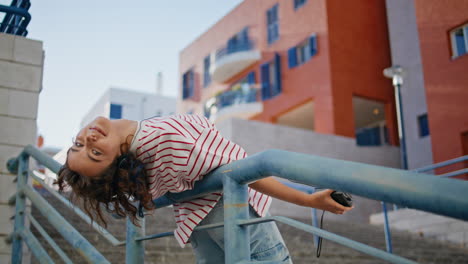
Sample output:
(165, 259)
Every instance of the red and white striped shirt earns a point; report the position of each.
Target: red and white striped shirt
(179, 150)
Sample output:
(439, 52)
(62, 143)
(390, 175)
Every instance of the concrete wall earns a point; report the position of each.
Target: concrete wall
(135, 105)
(404, 45)
(256, 136)
(21, 66)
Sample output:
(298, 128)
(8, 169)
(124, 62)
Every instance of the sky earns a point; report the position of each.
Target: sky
(92, 45)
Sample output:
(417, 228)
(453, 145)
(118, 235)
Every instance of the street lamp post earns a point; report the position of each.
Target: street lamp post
(396, 73)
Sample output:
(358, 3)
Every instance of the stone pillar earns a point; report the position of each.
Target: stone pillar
(21, 67)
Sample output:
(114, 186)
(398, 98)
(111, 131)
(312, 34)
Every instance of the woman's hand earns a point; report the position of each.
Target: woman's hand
(322, 200)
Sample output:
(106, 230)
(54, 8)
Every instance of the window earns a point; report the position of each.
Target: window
(188, 83)
(301, 53)
(372, 136)
(368, 137)
(423, 125)
(299, 3)
(115, 111)
(459, 39)
(272, 24)
(271, 78)
(206, 71)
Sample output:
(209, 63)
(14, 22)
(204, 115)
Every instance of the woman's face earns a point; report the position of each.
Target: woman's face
(95, 148)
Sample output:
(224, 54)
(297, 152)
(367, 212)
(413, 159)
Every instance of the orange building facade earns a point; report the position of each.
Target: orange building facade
(310, 64)
(443, 34)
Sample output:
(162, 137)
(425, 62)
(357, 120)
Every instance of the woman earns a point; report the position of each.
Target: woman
(116, 163)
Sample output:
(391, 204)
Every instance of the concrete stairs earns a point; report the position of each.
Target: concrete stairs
(300, 244)
(419, 249)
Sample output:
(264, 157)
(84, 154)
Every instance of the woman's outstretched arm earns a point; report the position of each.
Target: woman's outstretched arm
(320, 200)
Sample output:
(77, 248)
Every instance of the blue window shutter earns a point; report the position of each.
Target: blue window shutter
(265, 81)
(268, 22)
(268, 16)
(251, 78)
(245, 36)
(275, 13)
(192, 83)
(184, 86)
(272, 24)
(292, 58)
(278, 74)
(206, 71)
(313, 45)
(276, 22)
(230, 45)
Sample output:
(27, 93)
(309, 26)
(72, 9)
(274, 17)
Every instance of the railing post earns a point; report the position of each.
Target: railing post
(388, 235)
(135, 250)
(236, 238)
(20, 207)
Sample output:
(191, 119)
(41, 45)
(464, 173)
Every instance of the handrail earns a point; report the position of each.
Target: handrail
(388, 238)
(441, 164)
(391, 185)
(453, 173)
(414, 190)
(34, 152)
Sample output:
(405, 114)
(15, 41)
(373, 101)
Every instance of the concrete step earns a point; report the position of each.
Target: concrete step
(300, 244)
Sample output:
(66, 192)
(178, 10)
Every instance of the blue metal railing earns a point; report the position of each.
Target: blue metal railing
(388, 238)
(232, 97)
(244, 45)
(240, 96)
(16, 18)
(379, 183)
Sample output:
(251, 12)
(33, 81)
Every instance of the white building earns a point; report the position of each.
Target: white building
(118, 103)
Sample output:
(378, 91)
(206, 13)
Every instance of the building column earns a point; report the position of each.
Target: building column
(21, 67)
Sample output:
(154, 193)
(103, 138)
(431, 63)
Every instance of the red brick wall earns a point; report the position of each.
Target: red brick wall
(359, 51)
(446, 79)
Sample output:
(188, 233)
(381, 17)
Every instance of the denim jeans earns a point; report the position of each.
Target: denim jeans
(266, 242)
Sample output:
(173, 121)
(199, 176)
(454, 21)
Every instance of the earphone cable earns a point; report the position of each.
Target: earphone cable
(319, 243)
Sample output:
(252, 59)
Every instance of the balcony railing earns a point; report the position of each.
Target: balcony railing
(16, 18)
(233, 48)
(230, 98)
(233, 59)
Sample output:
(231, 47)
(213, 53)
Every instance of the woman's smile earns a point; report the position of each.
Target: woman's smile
(97, 129)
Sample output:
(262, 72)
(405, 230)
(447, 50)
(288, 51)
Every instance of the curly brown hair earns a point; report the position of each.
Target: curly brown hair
(117, 189)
